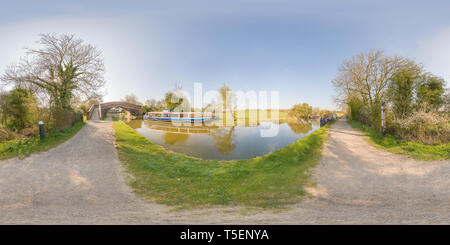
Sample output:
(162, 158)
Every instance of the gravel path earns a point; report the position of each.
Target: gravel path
(82, 182)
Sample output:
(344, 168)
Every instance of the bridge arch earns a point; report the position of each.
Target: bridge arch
(103, 108)
(132, 108)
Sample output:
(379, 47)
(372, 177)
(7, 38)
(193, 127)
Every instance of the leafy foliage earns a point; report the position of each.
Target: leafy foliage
(411, 97)
(18, 109)
(301, 111)
(416, 150)
(430, 92)
(25, 146)
(401, 90)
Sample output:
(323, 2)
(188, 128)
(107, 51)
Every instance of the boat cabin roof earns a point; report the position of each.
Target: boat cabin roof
(162, 112)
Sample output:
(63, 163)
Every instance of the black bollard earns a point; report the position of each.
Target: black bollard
(41, 130)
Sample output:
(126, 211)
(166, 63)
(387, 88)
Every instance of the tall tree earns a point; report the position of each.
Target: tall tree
(430, 92)
(176, 99)
(63, 67)
(227, 101)
(172, 100)
(401, 89)
(366, 76)
(226, 97)
(301, 111)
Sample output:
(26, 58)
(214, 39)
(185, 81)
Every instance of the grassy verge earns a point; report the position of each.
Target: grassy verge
(414, 149)
(24, 147)
(272, 180)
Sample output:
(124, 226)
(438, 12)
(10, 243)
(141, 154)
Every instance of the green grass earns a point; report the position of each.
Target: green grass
(272, 180)
(25, 147)
(414, 149)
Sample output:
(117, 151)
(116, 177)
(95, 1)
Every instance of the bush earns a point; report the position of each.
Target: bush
(6, 134)
(425, 127)
(22, 146)
(357, 110)
(61, 119)
(301, 111)
(18, 109)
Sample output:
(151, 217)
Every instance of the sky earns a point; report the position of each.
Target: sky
(293, 47)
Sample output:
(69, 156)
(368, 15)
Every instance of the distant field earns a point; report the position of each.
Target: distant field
(261, 114)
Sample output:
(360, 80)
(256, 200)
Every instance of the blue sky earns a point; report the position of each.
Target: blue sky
(294, 47)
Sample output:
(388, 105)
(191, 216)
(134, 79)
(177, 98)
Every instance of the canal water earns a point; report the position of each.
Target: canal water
(223, 143)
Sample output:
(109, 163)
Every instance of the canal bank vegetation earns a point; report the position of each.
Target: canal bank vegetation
(273, 180)
(416, 150)
(413, 103)
(55, 83)
(24, 146)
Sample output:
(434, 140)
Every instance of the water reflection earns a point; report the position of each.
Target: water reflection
(174, 138)
(224, 138)
(135, 124)
(300, 127)
(213, 142)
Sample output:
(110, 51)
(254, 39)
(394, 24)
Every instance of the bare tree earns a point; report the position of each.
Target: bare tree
(132, 98)
(150, 102)
(366, 76)
(62, 67)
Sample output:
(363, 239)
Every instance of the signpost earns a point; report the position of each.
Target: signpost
(41, 130)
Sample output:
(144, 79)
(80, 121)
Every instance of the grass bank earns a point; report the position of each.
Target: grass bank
(414, 149)
(272, 180)
(27, 146)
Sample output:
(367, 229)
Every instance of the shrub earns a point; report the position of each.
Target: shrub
(61, 119)
(19, 109)
(6, 134)
(425, 127)
(301, 111)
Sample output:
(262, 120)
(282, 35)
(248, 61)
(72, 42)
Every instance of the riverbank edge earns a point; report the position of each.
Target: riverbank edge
(269, 181)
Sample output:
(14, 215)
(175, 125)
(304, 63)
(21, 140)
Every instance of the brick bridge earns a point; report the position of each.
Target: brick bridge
(103, 108)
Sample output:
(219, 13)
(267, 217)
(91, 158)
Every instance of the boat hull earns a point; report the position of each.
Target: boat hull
(177, 119)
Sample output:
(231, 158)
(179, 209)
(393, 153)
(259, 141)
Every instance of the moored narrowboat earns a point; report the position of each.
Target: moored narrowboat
(166, 115)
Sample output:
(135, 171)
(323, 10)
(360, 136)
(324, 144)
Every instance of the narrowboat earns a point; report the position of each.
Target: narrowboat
(166, 115)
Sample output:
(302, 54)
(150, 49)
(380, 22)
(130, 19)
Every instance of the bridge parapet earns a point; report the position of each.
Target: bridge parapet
(91, 110)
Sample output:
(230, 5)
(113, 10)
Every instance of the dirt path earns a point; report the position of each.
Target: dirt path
(81, 182)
